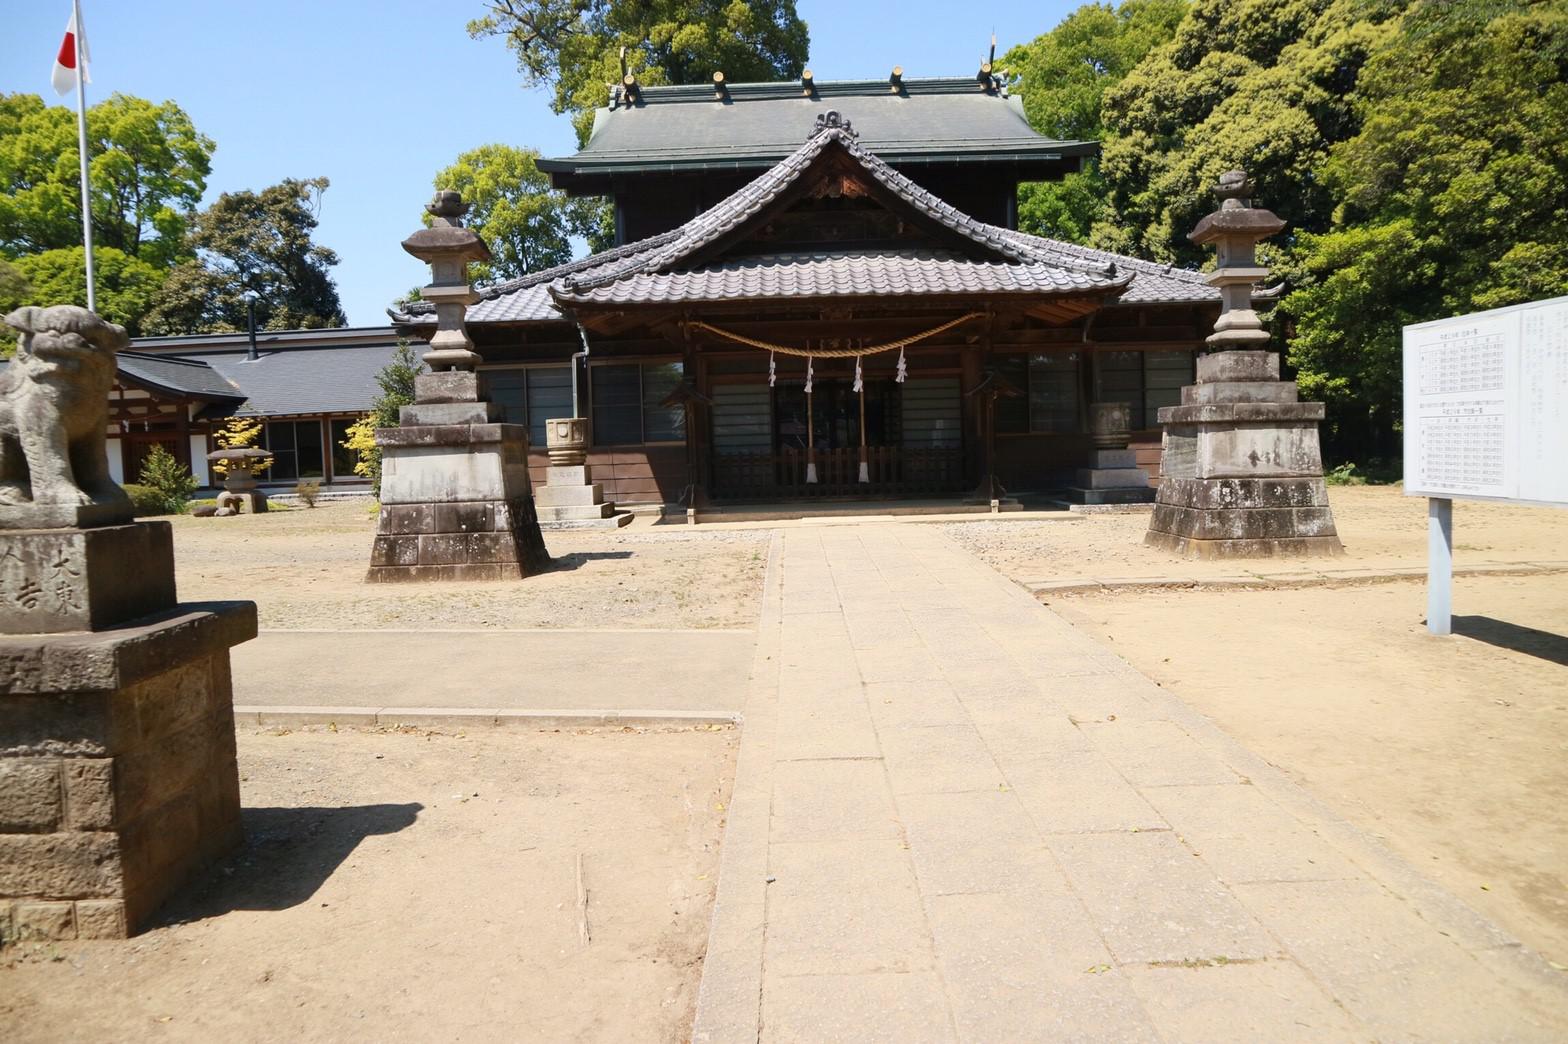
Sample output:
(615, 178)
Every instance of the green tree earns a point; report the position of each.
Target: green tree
(573, 47)
(1267, 85)
(172, 481)
(1452, 196)
(148, 168)
(124, 285)
(256, 241)
(527, 224)
(15, 291)
(397, 390)
(1062, 77)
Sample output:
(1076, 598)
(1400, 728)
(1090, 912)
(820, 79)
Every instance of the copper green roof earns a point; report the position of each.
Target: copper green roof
(752, 126)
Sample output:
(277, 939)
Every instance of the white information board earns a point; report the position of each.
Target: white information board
(1486, 405)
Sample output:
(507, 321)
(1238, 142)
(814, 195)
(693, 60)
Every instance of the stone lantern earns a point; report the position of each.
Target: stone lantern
(239, 478)
(456, 500)
(1242, 474)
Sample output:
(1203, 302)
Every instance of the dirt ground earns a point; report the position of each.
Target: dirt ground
(305, 568)
(416, 886)
(1453, 750)
(1379, 526)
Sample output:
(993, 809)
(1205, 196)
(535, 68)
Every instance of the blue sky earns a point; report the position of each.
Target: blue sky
(378, 96)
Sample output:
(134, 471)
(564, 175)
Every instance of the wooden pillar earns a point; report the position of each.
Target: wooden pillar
(182, 426)
(698, 427)
(326, 451)
(972, 361)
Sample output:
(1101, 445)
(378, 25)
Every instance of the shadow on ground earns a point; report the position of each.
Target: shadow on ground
(1541, 644)
(286, 856)
(578, 559)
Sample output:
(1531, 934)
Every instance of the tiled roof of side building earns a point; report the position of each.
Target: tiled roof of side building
(298, 381)
(753, 125)
(176, 375)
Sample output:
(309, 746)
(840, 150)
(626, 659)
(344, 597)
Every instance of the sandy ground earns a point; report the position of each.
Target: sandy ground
(1379, 526)
(414, 886)
(1454, 751)
(305, 568)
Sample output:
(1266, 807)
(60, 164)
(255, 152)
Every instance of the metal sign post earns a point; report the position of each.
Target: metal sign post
(1439, 565)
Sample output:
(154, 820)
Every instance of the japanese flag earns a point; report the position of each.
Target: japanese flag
(64, 78)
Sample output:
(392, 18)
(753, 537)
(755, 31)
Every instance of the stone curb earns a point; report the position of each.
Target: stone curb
(1275, 581)
(471, 717)
(729, 998)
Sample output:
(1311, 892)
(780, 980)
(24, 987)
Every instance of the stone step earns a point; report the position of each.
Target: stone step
(568, 496)
(1111, 478)
(571, 512)
(615, 521)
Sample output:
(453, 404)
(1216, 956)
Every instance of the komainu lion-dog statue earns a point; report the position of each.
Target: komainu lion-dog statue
(54, 414)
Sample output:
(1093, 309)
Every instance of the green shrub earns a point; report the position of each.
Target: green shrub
(172, 480)
(1344, 475)
(307, 490)
(144, 499)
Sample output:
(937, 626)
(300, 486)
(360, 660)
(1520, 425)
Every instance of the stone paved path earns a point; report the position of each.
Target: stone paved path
(956, 818)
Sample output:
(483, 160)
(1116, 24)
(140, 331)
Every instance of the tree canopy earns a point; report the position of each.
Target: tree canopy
(253, 241)
(1450, 197)
(147, 170)
(124, 285)
(1062, 77)
(1418, 150)
(1267, 85)
(527, 224)
(573, 47)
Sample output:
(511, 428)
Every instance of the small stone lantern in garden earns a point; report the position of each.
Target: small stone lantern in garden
(239, 465)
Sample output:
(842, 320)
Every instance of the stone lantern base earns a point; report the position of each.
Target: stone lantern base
(456, 500)
(1113, 475)
(568, 500)
(1241, 472)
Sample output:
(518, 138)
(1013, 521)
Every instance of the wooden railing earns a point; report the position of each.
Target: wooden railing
(892, 471)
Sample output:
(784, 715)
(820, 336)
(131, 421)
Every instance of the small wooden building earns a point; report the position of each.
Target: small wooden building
(855, 240)
(305, 387)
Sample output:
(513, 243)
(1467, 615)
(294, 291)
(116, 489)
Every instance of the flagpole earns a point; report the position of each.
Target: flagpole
(81, 136)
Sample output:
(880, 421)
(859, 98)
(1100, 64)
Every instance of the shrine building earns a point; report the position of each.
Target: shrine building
(818, 290)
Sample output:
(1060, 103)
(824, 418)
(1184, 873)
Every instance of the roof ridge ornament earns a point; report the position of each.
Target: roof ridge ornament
(833, 120)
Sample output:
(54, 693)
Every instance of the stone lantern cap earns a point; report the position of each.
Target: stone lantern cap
(1236, 218)
(446, 239)
(238, 455)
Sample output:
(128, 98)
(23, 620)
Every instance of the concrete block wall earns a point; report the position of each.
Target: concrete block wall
(109, 801)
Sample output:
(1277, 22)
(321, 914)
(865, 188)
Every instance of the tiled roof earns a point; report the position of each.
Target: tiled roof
(296, 381)
(180, 376)
(848, 274)
(727, 215)
(655, 269)
(1152, 282)
(754, 125)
